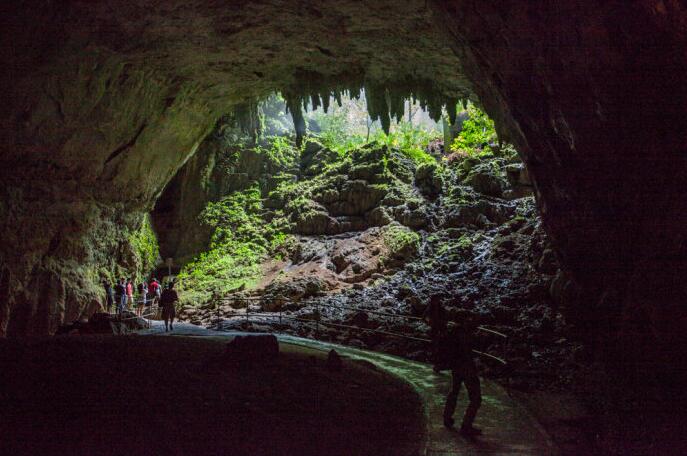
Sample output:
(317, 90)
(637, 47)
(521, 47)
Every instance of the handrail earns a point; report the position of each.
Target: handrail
(375, 312)
(361, 309)
(318, 321)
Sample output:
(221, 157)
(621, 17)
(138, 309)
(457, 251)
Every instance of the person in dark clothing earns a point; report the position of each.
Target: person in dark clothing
(109, 295)
(168, 301)
(452, 349)
(120, 289)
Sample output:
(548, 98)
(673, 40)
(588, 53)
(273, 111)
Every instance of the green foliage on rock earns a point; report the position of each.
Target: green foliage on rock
(477, 133)
(401, 241)
(240, 242)
(144, 244)
(280, 151)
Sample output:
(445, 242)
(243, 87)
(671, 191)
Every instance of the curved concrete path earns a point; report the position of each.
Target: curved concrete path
(508, 428)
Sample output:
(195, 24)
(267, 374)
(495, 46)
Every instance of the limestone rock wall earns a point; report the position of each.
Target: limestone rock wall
(86, 151)
(593, 96)
(103, 101)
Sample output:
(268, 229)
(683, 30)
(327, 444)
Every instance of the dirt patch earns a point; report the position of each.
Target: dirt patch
(135, 395)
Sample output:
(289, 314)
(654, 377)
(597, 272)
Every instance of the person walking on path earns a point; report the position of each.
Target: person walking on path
(121, 293)
(109, 295)
(452, 350)
(143, 293)
(168, 302)
(156, 290)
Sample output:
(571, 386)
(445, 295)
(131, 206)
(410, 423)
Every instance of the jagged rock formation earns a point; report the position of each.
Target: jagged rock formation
(103, 103)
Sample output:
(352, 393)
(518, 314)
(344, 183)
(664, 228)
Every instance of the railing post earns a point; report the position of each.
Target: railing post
(218, 321)
(317, 320)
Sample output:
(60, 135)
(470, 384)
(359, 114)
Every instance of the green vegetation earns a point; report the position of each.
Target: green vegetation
(279, 151)
(144, 243)
(401, 241)
(349, 126)
(348, 166)
(477, 134)
(240, 242)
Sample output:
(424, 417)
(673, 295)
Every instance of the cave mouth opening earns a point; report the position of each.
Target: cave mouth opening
(363, 216)
(106, 106)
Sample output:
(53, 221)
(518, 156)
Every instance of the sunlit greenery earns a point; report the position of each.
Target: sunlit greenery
(349, 126)
(240, 242)
(288, 188)
(144, 243)
(477, 134)
(279, 150)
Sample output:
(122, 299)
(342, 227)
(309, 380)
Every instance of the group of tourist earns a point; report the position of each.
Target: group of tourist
(123, 297)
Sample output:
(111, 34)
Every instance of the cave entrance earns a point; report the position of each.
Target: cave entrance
(350, 213)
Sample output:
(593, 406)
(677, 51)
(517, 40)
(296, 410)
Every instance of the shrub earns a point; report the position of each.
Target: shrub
(477, 133)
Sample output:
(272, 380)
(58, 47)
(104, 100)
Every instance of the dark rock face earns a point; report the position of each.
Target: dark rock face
(580, 91)
(218, 168)
(106, 105)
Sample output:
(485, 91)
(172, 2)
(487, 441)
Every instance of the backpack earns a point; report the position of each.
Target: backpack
(445, 351)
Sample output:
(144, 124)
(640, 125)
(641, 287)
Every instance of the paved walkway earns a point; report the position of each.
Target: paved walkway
(508, 428)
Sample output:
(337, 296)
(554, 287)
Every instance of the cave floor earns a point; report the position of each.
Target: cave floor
(509, 429)
(129, 395)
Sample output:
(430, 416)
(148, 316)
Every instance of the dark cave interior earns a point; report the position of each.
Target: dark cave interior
(104, 102)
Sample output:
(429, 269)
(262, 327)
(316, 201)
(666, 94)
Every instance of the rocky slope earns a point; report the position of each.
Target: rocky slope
(380, 232)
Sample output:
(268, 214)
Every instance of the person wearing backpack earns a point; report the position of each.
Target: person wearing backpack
(120, 289)
(109, 295)
(168, 302)
(452, 350)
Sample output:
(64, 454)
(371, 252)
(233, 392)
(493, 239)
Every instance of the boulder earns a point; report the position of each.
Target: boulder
(378, 217)
(428, 180)
(316, 222)
(280, 294)
(413, 218)
(517, 175)
(485, 183)
(357, 197)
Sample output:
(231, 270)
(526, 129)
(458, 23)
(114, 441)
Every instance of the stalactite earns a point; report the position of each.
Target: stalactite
(385, 100)
(293, 105)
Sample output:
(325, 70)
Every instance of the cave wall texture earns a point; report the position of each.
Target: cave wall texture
(104, 101)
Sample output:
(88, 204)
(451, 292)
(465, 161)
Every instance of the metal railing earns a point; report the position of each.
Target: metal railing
(148, 314)
(279, 314)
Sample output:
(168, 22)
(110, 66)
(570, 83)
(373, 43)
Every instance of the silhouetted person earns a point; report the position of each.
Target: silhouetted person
(121, 293)
(168, 300)
(109, 295)
(452, 349)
